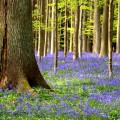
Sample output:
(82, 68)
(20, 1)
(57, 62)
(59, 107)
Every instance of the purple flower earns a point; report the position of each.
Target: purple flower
(11, 86)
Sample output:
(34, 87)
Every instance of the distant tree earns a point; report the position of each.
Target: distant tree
(84, 46)
(80, 36)
(19, 67)
(53, 28)
(42, 14)
(47, 25)
(71, 31)
(65, 31)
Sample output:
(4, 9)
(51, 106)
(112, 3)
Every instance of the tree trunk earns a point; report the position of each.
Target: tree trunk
(104, 40)
(49, 24)
(21, 70)
(42, 32)
(75, 42)
(97, 40)
(2, 27)
(84, 31)
(118, 30)
(80, 36)
(56, 37)
(65, 31)
(71, 31)
(110, 36)
(53, 28)
(46, 32)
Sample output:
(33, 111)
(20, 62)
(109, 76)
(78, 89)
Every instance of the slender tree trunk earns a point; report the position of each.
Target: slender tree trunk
(118, 30)
(65, 31)
(80, 36)
(71, 32)
(21, 69)
(97, 40)
(56, 36)
(36, 40)
(75, 44)
(60, 29)
(49, 33)
(42, 32)
(110, 36)
(90, 36)
(53, 29)
(84, 29)
(39, 30)
(46, 32)
(104, 40)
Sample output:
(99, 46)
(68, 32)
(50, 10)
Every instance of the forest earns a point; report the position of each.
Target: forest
(60, 59)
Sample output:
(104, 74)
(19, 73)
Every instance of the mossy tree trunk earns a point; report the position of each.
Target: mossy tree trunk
(21, 68)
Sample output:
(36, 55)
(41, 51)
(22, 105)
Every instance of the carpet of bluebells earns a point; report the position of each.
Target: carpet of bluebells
(83, 91)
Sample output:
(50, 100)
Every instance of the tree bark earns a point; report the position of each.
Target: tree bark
(71, 31)
(46, 32)
(80, 36)
(21, 71)
(56, 36)
(97, 40)
(65, 31)
(53, 28)
(104, 40)
(110, 36)
(118, 30)
(84, 49)
(75, 42)
(2, 27)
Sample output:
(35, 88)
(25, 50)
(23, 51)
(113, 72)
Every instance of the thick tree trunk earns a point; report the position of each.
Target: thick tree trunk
(21, 70)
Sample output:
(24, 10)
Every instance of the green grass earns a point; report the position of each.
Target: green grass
(44, 97)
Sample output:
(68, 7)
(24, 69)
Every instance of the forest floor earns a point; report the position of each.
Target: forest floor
(83, 91)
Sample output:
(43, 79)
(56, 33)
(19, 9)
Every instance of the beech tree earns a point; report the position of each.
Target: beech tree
(118, 30)
(19, 68)
(110, 35)
(75, 43)
(104, 37)
(97, 38)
